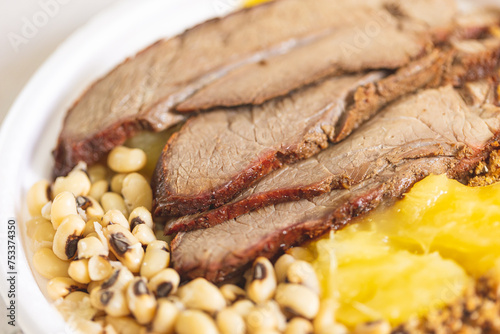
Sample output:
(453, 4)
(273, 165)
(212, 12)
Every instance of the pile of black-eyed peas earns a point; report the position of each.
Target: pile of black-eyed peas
(107, 266)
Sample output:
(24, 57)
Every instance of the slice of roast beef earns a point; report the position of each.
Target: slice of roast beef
(347, 50)
(226, 250)
(141, 92)
(349, 162)
(423, 122)
(216, 155)
(472, 60)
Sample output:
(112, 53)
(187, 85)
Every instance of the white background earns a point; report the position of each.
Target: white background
(19, 61)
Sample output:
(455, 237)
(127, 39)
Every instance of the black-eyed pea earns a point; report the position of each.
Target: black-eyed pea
(141, 301)
(86, 326)
(243, 307)
(93, 285)
(123, 325)
(299, 326)
(99, 268)
(137, 192)
(67, 235)
(281, 266)
(302, 272)
(97, 173)
(119, 279)
(260, 318)
(324, 320)
(268, 331)
(37, 197)
(165, 317)
(88, 208)
(98, 189)
(202, 295)
(232, 293)
(99, 234)
(301, 253)
(164, 283)
(262, 284)
(140, 215)
(33, 223)
(79, 271)
(43, 235)
(77, 297)
(279, 317)
(176, 301)
(89, 226)
(117, 183)
(77, 304)
(195, 322)
(156, 258)
(122, 159)
(49, 265)
(108, 328)
(114, 217)
(230, 322)
(94, 235)
(125, 246)
(64, 205)
(113, 201)
(373, 327)
(46, 210)
(298, 300)
(144, 234)
(60, 287)
(112, 301)
(77, 182)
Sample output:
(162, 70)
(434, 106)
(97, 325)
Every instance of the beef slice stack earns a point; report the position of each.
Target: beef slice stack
(433, 131)
(299, 115)
(256, 54)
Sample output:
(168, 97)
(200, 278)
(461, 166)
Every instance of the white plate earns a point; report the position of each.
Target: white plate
(30, 130)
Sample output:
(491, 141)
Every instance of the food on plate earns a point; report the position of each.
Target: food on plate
(440, 223)
(338, 166)
(430, 132)
(168, 72)
(263, 138)
(316, 166)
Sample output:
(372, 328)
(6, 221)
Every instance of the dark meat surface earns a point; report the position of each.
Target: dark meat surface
(433, 131)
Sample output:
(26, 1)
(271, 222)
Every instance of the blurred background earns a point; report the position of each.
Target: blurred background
(30, 30)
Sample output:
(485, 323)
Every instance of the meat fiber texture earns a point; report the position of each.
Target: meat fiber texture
(217, 155)
(144, 91)
(471, 59)
(433, 131)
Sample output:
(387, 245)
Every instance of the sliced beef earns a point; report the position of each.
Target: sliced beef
(472, 60)
(347, 50)
(360, 157)
(216, 155)
(475, 59)
(474, 23)
(141, 92)
(425, 121)
(226, 250)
